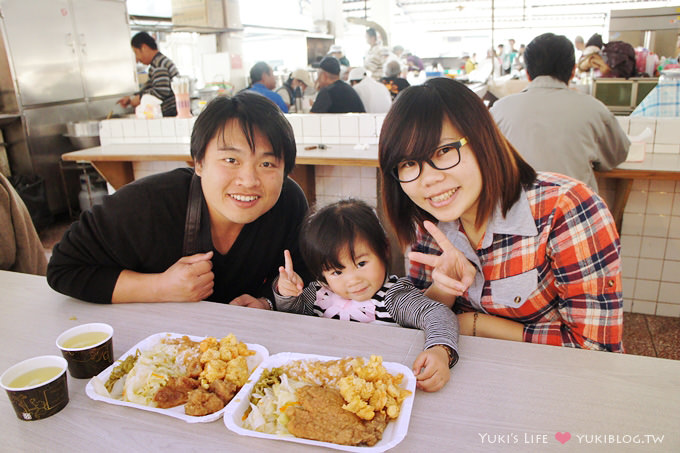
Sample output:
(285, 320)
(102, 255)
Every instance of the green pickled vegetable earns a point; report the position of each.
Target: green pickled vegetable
(269, 377)
(121, 370)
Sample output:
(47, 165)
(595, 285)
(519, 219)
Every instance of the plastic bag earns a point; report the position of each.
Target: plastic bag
(149, 108)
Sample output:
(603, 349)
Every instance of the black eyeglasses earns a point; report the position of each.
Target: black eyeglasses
(442, 158)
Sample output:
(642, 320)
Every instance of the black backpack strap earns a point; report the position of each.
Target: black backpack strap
(192, 223)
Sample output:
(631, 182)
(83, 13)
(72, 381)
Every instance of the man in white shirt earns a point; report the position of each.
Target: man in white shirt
(375, 96)
(555, 128)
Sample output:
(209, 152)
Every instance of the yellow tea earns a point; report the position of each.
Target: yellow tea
(84, 340)
(35, 377)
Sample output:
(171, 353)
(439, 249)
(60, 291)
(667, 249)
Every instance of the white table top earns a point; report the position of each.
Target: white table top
(654, 162)
(181, 151)
(517, 392)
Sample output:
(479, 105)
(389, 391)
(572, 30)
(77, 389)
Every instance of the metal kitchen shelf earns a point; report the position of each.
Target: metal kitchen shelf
(164, 24)
(6, 118)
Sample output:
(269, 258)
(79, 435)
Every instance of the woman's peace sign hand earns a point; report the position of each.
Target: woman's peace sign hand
(452, 273)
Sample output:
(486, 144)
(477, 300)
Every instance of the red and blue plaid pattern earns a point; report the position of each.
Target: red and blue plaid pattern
(577, 299)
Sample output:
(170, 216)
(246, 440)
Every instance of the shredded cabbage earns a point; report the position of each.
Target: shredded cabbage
(151, 372)
(268, 415)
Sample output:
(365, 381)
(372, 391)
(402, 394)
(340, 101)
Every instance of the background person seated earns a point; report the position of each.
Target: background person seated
(292, 91)
(263, 81)
(374, 95)
(393, 80)
(555, 128)
(335, 96)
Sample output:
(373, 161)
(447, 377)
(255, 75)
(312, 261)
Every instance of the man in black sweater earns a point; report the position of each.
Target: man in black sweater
(335, 96)
(215, 233)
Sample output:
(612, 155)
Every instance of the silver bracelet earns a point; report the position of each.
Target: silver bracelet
(271, 304)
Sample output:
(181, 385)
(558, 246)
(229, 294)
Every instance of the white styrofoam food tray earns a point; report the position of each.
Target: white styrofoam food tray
(261, 353)
(394, 432)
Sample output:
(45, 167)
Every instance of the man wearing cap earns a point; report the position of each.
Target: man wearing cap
(374, 95)
(263, 81)
(293, 89)
(335, 96)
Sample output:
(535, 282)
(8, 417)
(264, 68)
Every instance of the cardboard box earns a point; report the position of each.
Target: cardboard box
(232, 14)
(198, 13)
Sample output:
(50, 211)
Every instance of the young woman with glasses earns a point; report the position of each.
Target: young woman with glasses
(519, 255)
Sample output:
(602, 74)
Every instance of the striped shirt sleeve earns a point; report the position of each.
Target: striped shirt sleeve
(161, 72)
(411, 308)
(302, 304)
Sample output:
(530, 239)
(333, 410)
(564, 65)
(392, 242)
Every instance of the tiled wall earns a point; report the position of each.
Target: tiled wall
(336, 182)
(650, 245)
(650, 236)
(666, 132)
(330, 129)
(129, 131)
(337, 129)
(135, 131)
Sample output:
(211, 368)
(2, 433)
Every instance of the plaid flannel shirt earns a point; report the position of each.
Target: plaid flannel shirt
(552, 264)
(663, 100)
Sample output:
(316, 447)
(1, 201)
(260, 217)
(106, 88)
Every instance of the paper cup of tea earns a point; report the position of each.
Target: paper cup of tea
(37, 387)
(87, 348)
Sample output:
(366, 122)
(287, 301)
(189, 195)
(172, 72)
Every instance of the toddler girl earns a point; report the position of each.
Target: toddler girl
(346, 250)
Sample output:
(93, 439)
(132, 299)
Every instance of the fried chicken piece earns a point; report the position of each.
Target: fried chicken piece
(210, 354)
(357, 393)
(201, 402)
(208, 343)
(228, 348)
(175, 392)
(224, 389)
(231, 348)
(194, 367)
(320, 416)
(212, 370)
(237, 371)
(372, 389)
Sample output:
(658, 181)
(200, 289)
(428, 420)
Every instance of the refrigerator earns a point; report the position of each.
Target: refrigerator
(69, 60)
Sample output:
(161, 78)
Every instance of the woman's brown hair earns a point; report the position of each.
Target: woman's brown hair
(412, 130)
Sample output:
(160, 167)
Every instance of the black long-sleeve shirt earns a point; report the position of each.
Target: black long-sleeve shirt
(141, 228)
(338, 97)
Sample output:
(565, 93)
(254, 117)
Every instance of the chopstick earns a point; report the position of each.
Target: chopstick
(180, 85)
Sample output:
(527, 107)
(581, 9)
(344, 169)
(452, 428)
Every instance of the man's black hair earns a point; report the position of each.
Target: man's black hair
(143, 38)
(550, 54)
(258, 70)
(254, 113)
